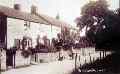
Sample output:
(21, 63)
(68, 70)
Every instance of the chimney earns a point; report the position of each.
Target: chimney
(33, 9)
(17, 7)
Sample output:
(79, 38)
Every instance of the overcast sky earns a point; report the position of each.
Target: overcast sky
(67, 9)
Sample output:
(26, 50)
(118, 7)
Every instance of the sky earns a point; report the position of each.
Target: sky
(67, 9)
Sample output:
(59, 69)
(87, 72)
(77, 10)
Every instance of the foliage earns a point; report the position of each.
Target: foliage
(102, 25)
(26, 53)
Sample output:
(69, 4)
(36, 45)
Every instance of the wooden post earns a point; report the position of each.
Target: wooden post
(72, 55)
(103, 54)
(0, 60)
(80, 65)
(85, 61)
(76, 61)
(100, 55)
(35, 57)
(89, 53)
(83, 52)
(13, 60)
(93, 59)
(79, 57)
(59, 55)
(90, 59)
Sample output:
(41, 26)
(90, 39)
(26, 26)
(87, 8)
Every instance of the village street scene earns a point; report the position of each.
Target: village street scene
(59, 36)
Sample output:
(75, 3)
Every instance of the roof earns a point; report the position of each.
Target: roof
(12, 13)
(53, 21)
(37, 18)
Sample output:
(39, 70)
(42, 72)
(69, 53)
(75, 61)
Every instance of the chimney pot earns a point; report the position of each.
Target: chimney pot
(33, 9)
(17, 6)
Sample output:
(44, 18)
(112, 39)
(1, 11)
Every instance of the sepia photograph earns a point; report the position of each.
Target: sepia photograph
(59, 36)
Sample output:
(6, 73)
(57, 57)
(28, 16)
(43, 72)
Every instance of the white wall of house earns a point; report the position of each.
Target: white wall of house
(16, 30)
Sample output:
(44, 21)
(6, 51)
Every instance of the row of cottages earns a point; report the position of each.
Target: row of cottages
(14, 24)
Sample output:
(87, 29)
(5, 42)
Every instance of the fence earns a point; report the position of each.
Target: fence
(17, 60)
(20, 60)
(51, 56)
(81, 57)
(35, 58)
(88, 55)
(45, 57)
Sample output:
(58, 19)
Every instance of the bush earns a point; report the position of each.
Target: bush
(26, 53)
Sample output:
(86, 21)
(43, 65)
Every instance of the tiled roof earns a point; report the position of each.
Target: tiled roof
(38, 18)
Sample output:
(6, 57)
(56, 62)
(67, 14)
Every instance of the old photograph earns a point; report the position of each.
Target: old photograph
(59, 37)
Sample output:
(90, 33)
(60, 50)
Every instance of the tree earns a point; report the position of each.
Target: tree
(103, 29)
(102, 25)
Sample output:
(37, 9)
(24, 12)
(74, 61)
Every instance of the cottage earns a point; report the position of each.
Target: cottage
(14, 24)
